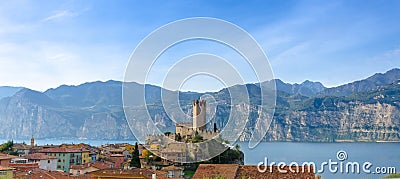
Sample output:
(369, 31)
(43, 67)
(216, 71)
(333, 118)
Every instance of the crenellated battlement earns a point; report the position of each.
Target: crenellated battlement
(185, 130)
(199, 103)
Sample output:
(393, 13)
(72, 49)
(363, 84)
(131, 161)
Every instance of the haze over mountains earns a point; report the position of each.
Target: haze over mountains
(7, 91)
(366, 110)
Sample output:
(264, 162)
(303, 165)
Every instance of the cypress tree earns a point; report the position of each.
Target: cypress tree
(135, 161)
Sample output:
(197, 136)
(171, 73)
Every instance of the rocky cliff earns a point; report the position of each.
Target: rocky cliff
(94, 111)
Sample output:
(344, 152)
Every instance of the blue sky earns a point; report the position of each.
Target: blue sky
(44, 44)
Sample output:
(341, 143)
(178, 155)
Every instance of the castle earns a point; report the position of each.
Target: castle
(185, 131)
(178, 148)
(199, 124)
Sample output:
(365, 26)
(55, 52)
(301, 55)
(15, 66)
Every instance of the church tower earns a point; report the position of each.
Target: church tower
(199, 115)
(32, 142)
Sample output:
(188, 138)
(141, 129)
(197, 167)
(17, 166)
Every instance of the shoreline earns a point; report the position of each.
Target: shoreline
(105, 141)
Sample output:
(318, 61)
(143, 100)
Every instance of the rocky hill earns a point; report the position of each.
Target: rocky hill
(7, 91)
(366, 110)
(370, 83)
(307, 88)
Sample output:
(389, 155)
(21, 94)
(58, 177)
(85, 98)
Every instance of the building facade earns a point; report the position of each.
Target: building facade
(6, 172)
(5, 159)
(86, 157)
(66, 157)
(45, 162)
(23, 165)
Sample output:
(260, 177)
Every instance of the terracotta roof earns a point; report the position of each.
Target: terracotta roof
(20, 146)
(98, 165)
(24, 165)
(2, 168)
(80, 145)
(77, 167)
(102, 165)
(117, 150)
(40, 174)
(227, 171)
(234, 171)
(62, 150)
(6, 156)
(246, 171)
(161, 174)
(38, 156)
(135, 172)
(172, 168)
(117, 155)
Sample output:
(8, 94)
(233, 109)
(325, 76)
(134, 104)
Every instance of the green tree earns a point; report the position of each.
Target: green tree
(237, 147)
(178, 138)
(167, 133)
(146, 154)
(197, 138)
(7, 147)
(135, 160)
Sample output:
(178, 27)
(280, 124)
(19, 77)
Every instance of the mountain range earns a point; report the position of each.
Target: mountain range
(364, 110)
(7, 91)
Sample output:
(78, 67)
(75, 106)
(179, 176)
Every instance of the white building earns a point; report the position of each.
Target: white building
(45, 162)
(174, 172)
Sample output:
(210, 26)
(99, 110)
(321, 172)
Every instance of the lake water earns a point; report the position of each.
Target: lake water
(69, 141)
(378, 154)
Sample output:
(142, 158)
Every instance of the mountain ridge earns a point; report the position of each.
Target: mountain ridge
(317, 87)
(7, 91)
(374, 81)
(93, 110)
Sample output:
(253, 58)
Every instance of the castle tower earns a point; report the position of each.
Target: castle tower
(32, 142)
(199, 115)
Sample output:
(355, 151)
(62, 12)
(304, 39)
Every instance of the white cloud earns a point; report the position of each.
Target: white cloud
(395, 53)
(60, 15)
(44, 65)
(44, 45)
